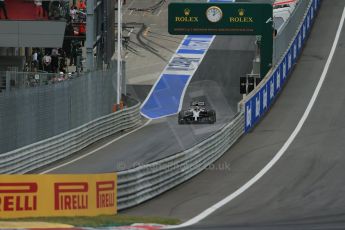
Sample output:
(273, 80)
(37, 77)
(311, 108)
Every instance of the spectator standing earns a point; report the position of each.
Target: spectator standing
(62, 61)
(47, 63)
(74, 52)
(39, 9)
(35, 60)
(39, 58)
(55, 60)
(73, 12)
(82, 31)
(45, 6)
(54, 10)
(82, 6)
(48, 50)
(55, 52)
(66, 45)
(3, 7)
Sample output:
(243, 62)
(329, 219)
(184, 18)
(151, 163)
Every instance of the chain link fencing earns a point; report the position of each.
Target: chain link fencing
(38, 106)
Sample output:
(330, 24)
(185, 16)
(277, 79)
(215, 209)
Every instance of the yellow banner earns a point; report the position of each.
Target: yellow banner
(57, 195)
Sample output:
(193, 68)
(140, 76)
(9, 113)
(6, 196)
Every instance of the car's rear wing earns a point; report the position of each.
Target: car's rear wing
(197, 103)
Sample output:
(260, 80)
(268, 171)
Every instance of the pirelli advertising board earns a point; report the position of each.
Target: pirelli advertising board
(57, 195)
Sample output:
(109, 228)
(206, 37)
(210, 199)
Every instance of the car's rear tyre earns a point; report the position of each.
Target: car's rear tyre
(180, 120)
(212, 117)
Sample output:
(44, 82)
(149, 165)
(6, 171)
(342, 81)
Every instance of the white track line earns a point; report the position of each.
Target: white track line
(280, 153)
(97, 149)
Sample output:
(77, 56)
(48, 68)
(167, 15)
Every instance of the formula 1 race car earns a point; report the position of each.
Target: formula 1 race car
(197, 114)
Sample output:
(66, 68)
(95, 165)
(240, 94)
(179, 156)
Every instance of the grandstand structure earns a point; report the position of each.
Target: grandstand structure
(24, 29)
(45, 88)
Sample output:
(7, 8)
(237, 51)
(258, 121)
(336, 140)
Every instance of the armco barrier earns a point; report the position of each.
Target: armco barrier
(145, 182)
(260, 100)
(44, 152)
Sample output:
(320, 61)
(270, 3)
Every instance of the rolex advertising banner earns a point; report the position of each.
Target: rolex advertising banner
(226, 19)
(57, 195)
(220, 18)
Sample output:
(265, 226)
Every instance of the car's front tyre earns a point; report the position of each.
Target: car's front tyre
(180, 119)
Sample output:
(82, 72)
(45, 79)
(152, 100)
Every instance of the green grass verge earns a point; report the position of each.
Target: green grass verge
(99, 221)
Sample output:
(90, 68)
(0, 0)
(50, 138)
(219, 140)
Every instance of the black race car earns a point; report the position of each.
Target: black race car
(197, 114)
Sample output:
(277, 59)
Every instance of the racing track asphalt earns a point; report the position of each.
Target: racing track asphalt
(305, 189)
(216, 81)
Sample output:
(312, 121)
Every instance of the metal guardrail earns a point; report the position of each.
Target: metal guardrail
(44, 152)
(145, 182)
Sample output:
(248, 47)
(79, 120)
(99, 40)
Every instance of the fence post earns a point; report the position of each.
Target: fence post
(8, 78)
